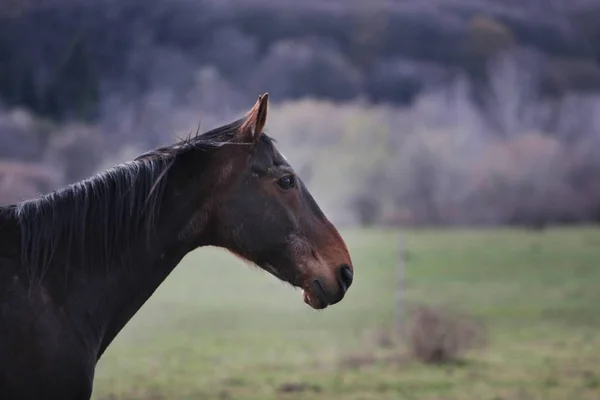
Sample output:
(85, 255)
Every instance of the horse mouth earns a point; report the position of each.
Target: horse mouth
(315, 296)
(313, 292)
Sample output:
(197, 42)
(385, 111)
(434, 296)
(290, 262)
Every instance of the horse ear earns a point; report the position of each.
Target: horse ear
(255, 121)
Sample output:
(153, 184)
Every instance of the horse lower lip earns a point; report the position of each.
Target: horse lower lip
(320, 291)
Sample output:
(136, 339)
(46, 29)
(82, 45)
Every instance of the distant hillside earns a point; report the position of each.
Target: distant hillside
(59, 58)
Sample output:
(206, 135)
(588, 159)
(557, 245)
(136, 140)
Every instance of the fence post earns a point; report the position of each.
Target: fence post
(400, 281)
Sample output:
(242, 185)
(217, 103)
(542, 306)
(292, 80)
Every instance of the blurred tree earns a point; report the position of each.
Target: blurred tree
(60, 58)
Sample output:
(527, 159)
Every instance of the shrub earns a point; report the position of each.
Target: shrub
(438, 335)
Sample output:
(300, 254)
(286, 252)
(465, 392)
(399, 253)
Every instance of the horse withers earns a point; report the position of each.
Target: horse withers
(78, 263)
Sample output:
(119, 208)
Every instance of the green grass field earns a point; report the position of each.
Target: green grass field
(217, 329)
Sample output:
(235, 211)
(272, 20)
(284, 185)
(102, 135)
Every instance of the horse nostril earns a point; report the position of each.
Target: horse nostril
(345, 276)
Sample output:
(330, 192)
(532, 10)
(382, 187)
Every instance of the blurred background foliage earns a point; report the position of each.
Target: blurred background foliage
(437, 112)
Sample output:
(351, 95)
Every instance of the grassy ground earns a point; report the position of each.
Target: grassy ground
(217, 329)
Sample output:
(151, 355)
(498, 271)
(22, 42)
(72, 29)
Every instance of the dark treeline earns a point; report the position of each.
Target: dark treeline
(59, 57)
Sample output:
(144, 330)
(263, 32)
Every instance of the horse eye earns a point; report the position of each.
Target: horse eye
(287, 182)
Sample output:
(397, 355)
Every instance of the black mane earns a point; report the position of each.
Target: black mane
(94, 220)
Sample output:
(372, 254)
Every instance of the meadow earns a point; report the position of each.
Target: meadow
(218, 329)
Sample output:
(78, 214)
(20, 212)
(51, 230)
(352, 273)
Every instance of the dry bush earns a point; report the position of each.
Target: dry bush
(438, 335)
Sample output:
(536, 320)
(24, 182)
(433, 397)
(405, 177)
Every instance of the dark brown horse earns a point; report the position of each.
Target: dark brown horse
(77, 264)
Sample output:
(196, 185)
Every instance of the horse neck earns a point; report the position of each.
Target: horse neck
(101, 299)
(125, 290)
(119, 296)
(115, 297)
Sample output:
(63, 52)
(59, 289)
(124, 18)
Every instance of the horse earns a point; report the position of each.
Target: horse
(78, 263)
